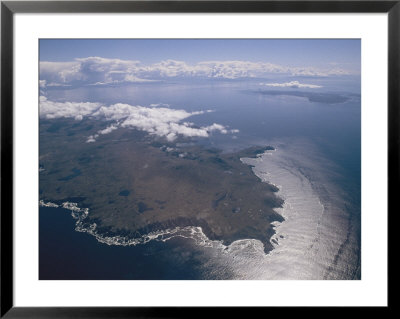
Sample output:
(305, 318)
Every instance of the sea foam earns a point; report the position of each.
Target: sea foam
(81, 225)
(314, 241)
(317, 239)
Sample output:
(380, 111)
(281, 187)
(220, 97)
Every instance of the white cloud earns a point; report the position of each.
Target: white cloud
(318, 72)
(293, 84)
(159, 121)
(53, 84)
(60, 72)
(216, 127)
(159, 104)
(108, 129)
(51, 110)
(102, 71)
(92, 138)
(90, 71)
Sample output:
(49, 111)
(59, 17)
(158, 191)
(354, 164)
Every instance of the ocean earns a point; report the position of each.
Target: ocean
(316, 166)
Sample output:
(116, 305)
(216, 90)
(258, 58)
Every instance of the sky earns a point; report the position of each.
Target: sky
(103, 62)
(289, 52)
(302, 65)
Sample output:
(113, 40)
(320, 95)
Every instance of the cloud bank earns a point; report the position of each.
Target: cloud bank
(293, 84)
(159, 121)
(52, 110)
(102, 71)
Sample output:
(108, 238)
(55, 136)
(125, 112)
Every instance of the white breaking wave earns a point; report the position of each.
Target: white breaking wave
(80, 214)
(313, 242)
(190, 232)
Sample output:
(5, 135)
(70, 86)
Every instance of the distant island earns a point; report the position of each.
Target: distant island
(326, 98)
(134, 184)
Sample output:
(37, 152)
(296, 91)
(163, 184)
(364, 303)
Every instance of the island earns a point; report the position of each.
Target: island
(134, 183)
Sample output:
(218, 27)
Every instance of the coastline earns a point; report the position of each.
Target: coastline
(318, 237)
(230, 224)
(310, 239)
(195, 229)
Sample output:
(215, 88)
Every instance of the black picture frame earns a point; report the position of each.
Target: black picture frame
(9, 8)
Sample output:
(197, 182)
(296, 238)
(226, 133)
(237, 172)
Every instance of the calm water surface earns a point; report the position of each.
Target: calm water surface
(320, 143)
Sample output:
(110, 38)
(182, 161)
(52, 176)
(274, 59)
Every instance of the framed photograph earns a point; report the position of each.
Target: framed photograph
(164, 155)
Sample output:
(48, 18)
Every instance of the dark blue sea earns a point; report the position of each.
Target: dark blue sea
(320, 139)
(67, 254)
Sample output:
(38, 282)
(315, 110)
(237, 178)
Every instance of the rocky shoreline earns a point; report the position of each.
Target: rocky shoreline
(135, 185)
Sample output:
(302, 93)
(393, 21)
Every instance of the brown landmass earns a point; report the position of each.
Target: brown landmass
(134, 184)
